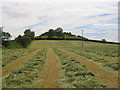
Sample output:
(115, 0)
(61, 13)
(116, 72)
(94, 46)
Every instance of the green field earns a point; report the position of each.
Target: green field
(61, 64)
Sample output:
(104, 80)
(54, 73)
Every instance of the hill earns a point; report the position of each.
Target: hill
(58, 34)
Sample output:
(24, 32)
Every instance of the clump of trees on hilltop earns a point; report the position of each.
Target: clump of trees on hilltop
(51, 33)
(58, 34)
(20, 41)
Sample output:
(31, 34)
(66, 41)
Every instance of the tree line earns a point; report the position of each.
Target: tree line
(58, 34)
(23, 41)
(20, 41)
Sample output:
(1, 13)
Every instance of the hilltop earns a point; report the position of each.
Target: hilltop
(58, 34)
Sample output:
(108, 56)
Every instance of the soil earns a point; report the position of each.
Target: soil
(50, 71)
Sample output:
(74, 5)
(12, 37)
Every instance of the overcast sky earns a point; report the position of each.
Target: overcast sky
(97, 19)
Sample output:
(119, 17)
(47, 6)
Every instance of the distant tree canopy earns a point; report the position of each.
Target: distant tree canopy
(51, 33)
(4, 35)
(103, 40)
(26, 39)
(20, 41)
(29, 34)
(58, 34)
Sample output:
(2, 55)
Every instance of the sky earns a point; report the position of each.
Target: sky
(98, 19)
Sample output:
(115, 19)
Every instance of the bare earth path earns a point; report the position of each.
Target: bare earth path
(50, 71)
(16, 63)
(111, 80)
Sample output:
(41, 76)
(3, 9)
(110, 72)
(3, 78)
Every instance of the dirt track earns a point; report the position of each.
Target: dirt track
(111, 80)
(50, 71)
(16, 63)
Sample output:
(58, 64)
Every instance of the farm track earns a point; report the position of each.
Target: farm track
(16, 63)
(50, 71)
(111, 80)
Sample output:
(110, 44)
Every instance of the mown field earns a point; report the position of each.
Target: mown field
(61, 64)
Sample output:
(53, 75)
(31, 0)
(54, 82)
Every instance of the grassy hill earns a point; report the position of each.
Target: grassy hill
(58, 34)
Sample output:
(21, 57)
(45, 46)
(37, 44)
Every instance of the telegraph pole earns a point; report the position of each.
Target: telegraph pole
(82, 38)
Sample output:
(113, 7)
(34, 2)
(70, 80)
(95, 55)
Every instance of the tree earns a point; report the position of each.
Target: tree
(4, 37)
(59, 32)
(103, 40)
(19, 39)
(25, 41)
(51, 33)
(29, 33)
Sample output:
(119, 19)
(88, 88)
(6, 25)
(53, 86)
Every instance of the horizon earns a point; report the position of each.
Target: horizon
(99, 20)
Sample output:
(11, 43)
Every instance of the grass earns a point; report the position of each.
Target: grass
(103, 62)
(110, 50)
(24, 76)
(18, 54)
(74, 74)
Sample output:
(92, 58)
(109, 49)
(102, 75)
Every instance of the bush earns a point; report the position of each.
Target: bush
(26, 39)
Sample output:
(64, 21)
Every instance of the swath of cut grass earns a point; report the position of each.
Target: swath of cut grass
(75, 75)
(24, 76)
(103, 62)
(7, 60)
(109, 50)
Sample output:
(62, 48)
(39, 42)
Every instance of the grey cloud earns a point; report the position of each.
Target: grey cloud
(14, 13)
